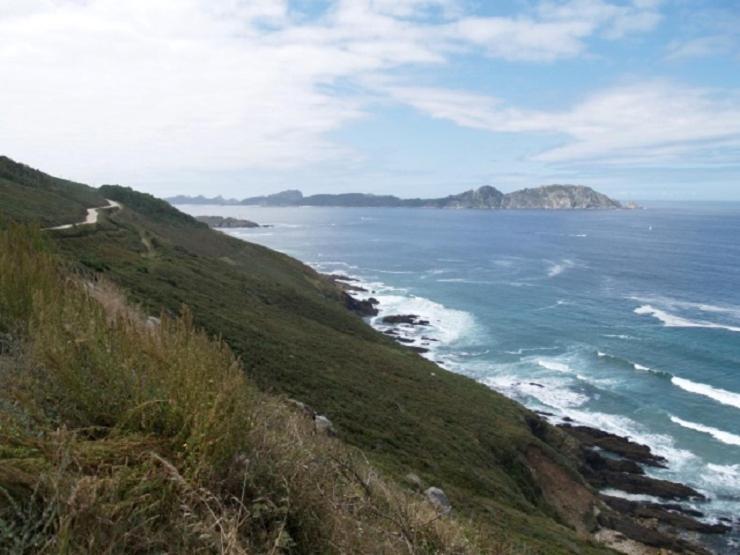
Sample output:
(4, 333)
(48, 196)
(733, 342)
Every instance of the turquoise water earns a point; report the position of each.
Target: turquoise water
(629, 321)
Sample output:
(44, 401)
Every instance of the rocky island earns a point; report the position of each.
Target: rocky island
(228, 222)
(548, 197)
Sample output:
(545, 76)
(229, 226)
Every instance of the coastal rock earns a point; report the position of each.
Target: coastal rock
(410, 319)
(595, 462)
(645, 535)
(363, 307)
(635, 483)
(438, 499)
(661, 513)
(324, 425)
(414, 481)
(626, 448)
(303, 407)
(228, 222)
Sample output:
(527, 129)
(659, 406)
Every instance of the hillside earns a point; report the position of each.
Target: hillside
(126, 434)
(549, 197)
(294, 336)
(28, 194)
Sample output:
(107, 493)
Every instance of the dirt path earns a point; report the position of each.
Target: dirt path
(93, 214)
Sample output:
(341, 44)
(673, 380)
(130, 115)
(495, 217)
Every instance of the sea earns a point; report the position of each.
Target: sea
(627, 320)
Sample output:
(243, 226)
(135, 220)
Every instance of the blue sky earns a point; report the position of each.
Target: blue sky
(637, 98)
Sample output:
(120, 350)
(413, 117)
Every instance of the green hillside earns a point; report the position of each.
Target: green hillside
(30, 195)
(499, 463)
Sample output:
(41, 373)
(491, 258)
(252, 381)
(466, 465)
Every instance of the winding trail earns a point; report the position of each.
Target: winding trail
(93, 214)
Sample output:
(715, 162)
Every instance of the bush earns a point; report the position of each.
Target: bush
(126, 434)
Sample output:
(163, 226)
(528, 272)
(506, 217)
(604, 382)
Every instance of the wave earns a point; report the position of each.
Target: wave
(446, 325)
(523, 350)
(719, 435)
(673, 321)
(688, 305)
(554, 365)
(548, 392)
(634, 365)
(720, 395)
(621, 336)
(578, 235)
(558, 268)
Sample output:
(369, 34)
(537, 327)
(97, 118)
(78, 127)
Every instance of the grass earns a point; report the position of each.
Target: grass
(122, 436)
(295, 339)
(30, 195)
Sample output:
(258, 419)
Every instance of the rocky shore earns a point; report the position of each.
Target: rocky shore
(228, 222)
(667, 523)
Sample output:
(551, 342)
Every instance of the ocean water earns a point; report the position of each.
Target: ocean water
(624, 320)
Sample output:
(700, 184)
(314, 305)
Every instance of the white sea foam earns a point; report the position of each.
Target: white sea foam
(674, 321)
(670, 302)
(447, 325)
(578, 235)
(554, 365)
(641, 367)
(719, 435)
(552, 393)
(725, 476)
(523, 350)
(611, 492)
(620, 336)
(557, 268)
(720, 395)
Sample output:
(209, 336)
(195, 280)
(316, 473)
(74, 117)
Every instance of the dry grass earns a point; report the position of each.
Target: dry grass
(118, 436)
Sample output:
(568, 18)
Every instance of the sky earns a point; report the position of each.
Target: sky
(639, 99)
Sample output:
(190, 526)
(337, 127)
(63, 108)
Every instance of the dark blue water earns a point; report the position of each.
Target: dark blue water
(629, 320)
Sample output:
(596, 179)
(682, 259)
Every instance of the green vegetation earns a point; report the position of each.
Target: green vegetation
(501, 466)
(29, 194)
(118, 436)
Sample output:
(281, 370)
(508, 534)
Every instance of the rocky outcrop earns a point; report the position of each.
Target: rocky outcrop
(624, 447)
(669, 515)
(363, 307)
(485, 197)
(438, 499)
(410, 319)
(558, 197)
(221, 222)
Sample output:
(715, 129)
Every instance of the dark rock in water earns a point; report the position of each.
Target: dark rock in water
(636, 483)
(404, 340)
(661, 513)
(648, 536)
(536, 384)
(568, 419)
(425, 338)
(410, 319)
(416, 349)
(361, 307)
(592, 437)
(341, 281)
(220, 222)
(390, 332)
(544, 413)
(594, 463)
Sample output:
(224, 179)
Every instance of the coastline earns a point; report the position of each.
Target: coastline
(643, 513)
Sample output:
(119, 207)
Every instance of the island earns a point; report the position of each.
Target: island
(226, 222)
(547, 197)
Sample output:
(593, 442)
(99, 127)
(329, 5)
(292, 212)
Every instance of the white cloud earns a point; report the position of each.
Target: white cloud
(654, 121)
(92, 88)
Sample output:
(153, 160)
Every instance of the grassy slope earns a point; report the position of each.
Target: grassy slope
(29, 194)
(295, 337)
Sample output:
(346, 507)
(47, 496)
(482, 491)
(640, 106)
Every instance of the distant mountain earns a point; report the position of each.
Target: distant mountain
(200, 199)
(549, 197)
